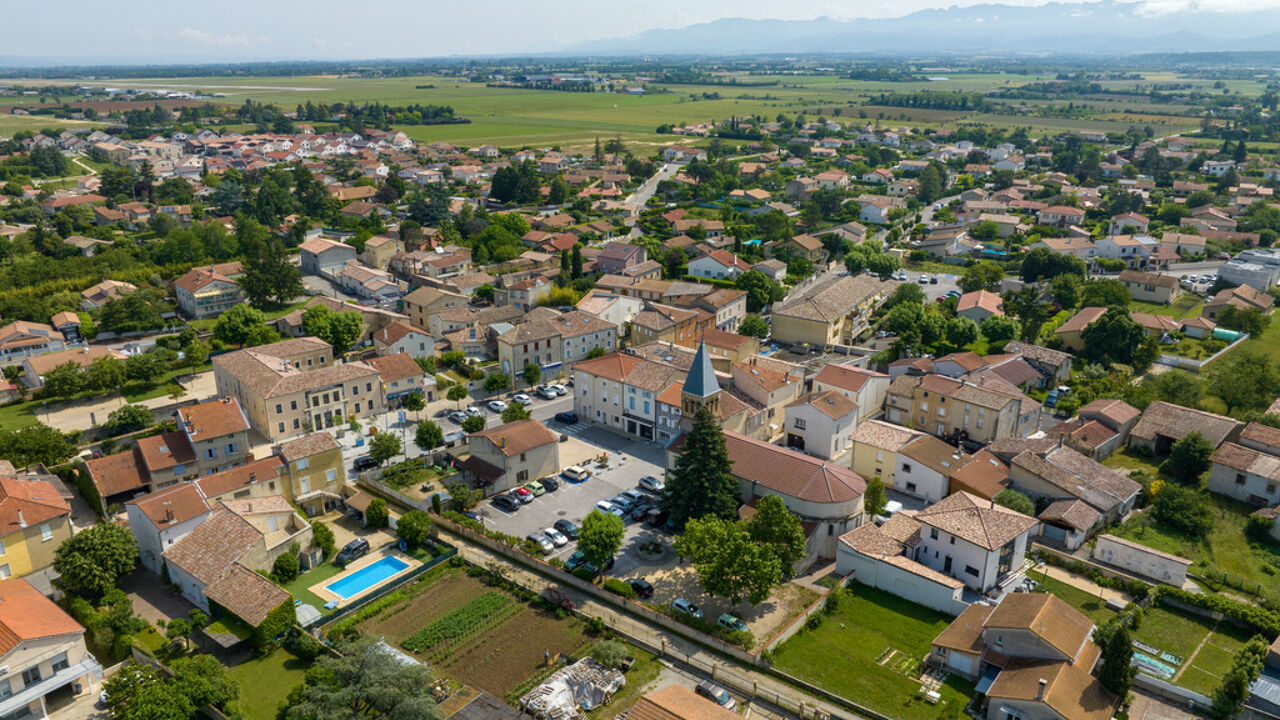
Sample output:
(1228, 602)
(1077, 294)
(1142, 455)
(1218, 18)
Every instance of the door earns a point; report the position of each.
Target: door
(304, 485)
(946, 565)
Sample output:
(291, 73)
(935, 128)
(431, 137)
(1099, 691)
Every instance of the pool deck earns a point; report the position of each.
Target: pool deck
(322, 591)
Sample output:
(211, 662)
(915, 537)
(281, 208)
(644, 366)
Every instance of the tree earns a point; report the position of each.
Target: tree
(106, 374)
(363, 682)
(1183, 509)
(322, 537)
(238, 325)
(375, 516)
(203, 680)
(270, 279)
(1250, 320)
(1190, 457)
(137, 692)
(610, 653)
(339, 329)
(1000, 330)
(776, 527)
(1230, 695)
(532, 374)
(729, 562)
(1104, 293)
(754, 326)
(701, 484)
(127, 419)
(473, 424)
(874, 499)
(1117, 671)
(497, 382)
(93, 560)
(414, 402)
(428, 435)
(905, 293)
(1042, 262)
(600, 537)
(515, 411)
(37, 443)
(1245, 380)
(285, 568)
(1114, 338)
(761, 291)
(984, 275)
(1015, 501)
(147, 367)
(384, 446)
(413, 527)
(961, 331)
(456, 393)
(1065, 290)
(64, 381)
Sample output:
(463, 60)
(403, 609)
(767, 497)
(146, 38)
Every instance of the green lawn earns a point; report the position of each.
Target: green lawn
(265, 682)
(206, 324)
(1184, 307)
(1125, 461)
(1207, 647)
(1091, 605)
(20, 415)
(862, 650)
(643, 671)
(298, 588)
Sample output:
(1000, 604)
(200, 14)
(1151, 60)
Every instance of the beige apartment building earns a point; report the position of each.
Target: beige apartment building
(292, 387)
(555, 343)
(424, 302)
(947, 407)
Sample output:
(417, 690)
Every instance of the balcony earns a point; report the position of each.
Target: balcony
(66, 676)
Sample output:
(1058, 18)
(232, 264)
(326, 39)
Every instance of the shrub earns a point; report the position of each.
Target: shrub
(285, 568)
(1260, 620)
(610, 653)
(618, 587)
(376, 516)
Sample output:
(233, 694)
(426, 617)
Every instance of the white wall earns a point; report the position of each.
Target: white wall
(890, 578)
(1140, 560)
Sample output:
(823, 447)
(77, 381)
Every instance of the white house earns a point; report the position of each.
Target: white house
(867, 388)
(718, 265)
(820, 425)
(924, 468)
(973, 540)
(399, 337)
(159, 519)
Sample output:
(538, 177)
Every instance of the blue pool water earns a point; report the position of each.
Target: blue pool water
(365, 578)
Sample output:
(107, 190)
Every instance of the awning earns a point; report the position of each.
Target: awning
(987, 680)
(484, 472)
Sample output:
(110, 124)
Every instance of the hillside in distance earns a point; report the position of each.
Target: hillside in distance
(1106, 28)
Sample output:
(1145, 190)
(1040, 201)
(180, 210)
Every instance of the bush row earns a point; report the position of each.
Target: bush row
(1257, 619)
(1132, 586)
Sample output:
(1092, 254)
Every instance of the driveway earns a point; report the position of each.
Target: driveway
(152, 599)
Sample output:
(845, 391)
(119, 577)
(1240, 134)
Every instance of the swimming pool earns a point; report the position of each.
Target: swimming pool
(366, 577)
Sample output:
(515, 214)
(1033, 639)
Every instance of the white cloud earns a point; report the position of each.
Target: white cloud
(208, 39)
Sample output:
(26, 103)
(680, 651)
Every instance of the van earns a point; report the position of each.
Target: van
(576, 473)
(351, 551)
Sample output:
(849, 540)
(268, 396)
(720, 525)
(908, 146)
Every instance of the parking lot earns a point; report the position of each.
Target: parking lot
(946, 282)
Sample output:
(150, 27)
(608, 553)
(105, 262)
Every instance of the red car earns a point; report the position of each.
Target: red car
(523, 494)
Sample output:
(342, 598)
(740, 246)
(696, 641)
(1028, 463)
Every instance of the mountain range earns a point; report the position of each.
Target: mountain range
(1086, 28)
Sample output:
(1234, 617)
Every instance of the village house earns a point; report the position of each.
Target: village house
(1150, 287)
(507, 455)
(43, 656)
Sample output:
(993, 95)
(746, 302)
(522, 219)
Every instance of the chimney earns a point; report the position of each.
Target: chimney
(253, 477)
(21, 521)
(1040, 689)
(168, 512)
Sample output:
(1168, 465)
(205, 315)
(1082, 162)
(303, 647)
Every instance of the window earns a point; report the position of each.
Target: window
(1271, 488)
(281, 427)
(304, 485)
(46, 533)
(279, 409)
(296, 424)
(971, 570)
(304, 463)
(179, 469)
(879, 455)
(31, 676)
(368, 387)
(522, 476)
(1239, 479)
(2, 550)
(60, 662)
(211, 453)
(6, 691)
(293, 404)
(906, 467)
(911, 487)
(799, 423)
(231, 448)
(330, 475)
(357, 407)
(933, 533)
(522, 457)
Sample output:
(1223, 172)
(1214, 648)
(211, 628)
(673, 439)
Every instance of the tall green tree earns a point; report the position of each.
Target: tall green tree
(1117, 671)
(1245, 380)
(1190, 457)
(600, 537)
(340, 329)
(874, 499)
(239, 325)
(701, 483)
(363, 682)
(428, 435)
(777, 528)
(93, 560)
(384, 446)
(729, 562)
(1231, 694)
(270, 279)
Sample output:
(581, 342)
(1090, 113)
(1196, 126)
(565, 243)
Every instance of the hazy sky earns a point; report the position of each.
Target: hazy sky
(255, 29)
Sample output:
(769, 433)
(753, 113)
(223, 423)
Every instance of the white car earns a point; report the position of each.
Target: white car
(652, 484)
(521, 398)
(475, 411)
(497, 406)
(556, 537)
(559, 389)
(543, 542)
(546, 393)
(605, 506)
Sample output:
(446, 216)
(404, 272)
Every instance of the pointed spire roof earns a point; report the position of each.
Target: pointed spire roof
(701, 381)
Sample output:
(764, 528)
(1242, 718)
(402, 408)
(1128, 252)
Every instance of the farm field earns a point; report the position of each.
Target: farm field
(498, 651)
(515, 117)
(869, 650)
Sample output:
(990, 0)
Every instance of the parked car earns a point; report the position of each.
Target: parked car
(521, 398)
(717, 695)
(640, 510)
(352, 551)
(576, 473)
(686, 607)
(546, 393)
(556, 537)
(643, 589)
(498, 405)
(652, 484)
(458, 416)
(472, 515)
(568, 528)
(577, 559)
(923, 279)
(635, 496)
(568, 418)
(535, 487)
(475, 411)
(558, 389)
(506, 502)
(549, 483)
(364, 462)
(731, 622)
(524, 495)
(541, 541)
(623, 503)
(605, 506)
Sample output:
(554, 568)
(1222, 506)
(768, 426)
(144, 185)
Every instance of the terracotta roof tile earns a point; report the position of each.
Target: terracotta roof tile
(206, 552)
(213, 419)
(172, 505)
(976, 520)
(516, 437)
(26, 614)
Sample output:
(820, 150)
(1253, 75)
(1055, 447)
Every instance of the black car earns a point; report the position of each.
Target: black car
(640, 510)
(550, 483)
(643, 589)
(352, 551)
(506, 502)
(364, 462)
(568, 418)
(568, 528)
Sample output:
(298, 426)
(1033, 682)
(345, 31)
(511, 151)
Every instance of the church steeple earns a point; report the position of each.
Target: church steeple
(701, 389)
